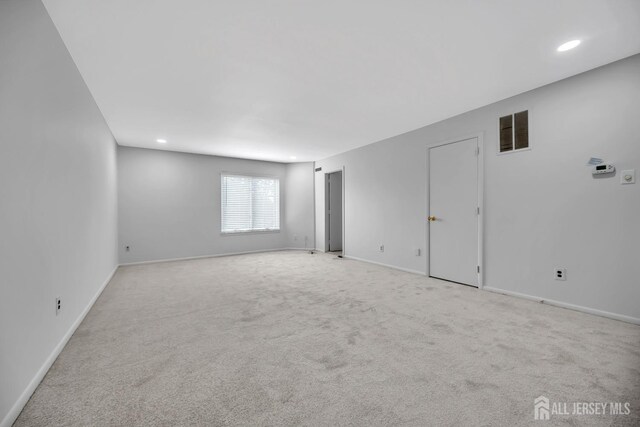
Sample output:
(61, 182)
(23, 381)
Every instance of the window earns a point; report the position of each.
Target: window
(514, 132)
(250, 204)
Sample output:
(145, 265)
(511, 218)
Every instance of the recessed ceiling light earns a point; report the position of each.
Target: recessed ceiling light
(568, 45)
(293, 157)
(161, 141)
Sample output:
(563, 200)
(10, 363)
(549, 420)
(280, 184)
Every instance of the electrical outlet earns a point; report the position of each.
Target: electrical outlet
(560, 273)
(417, 252)
(381, 248)
(58, 305)
(127, 248)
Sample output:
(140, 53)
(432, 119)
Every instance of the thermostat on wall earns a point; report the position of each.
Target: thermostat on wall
(600, 169)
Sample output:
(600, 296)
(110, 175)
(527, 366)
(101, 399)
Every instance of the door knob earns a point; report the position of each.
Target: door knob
(431, 218)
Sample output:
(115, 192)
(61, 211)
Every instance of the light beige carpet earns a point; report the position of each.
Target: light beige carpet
(290, 338)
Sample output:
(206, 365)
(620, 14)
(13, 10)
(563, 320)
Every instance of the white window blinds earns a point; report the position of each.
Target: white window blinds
(250, 204)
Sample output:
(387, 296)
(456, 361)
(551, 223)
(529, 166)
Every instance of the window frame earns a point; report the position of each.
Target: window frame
(253, 176)
(513, 135)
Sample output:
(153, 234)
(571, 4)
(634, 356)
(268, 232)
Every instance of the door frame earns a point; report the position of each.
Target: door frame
(326, 203)
(480, 160)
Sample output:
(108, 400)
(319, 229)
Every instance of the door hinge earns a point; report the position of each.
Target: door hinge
(478, 210)
(477, 151)
(478, 269)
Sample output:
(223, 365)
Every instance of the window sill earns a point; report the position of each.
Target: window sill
(242, 233)
(502, 153)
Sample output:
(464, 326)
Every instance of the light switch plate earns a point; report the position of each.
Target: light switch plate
(628, 176)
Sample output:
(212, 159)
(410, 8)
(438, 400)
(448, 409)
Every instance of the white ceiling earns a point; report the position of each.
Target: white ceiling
(273, 79)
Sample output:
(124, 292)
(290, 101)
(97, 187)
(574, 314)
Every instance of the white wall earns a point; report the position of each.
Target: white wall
(299, 206)
(58, 222)
(542, 207)
(169, 205)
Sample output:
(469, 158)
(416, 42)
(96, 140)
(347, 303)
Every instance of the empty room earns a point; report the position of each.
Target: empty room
(319, 213)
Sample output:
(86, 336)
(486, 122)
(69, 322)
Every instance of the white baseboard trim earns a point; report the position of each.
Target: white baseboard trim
(561, 304)
(588, 310)
(17, 407)
(155, 261)
(407, 270)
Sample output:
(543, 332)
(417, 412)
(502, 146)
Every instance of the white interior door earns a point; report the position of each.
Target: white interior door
(453, 212)
(334, 211)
